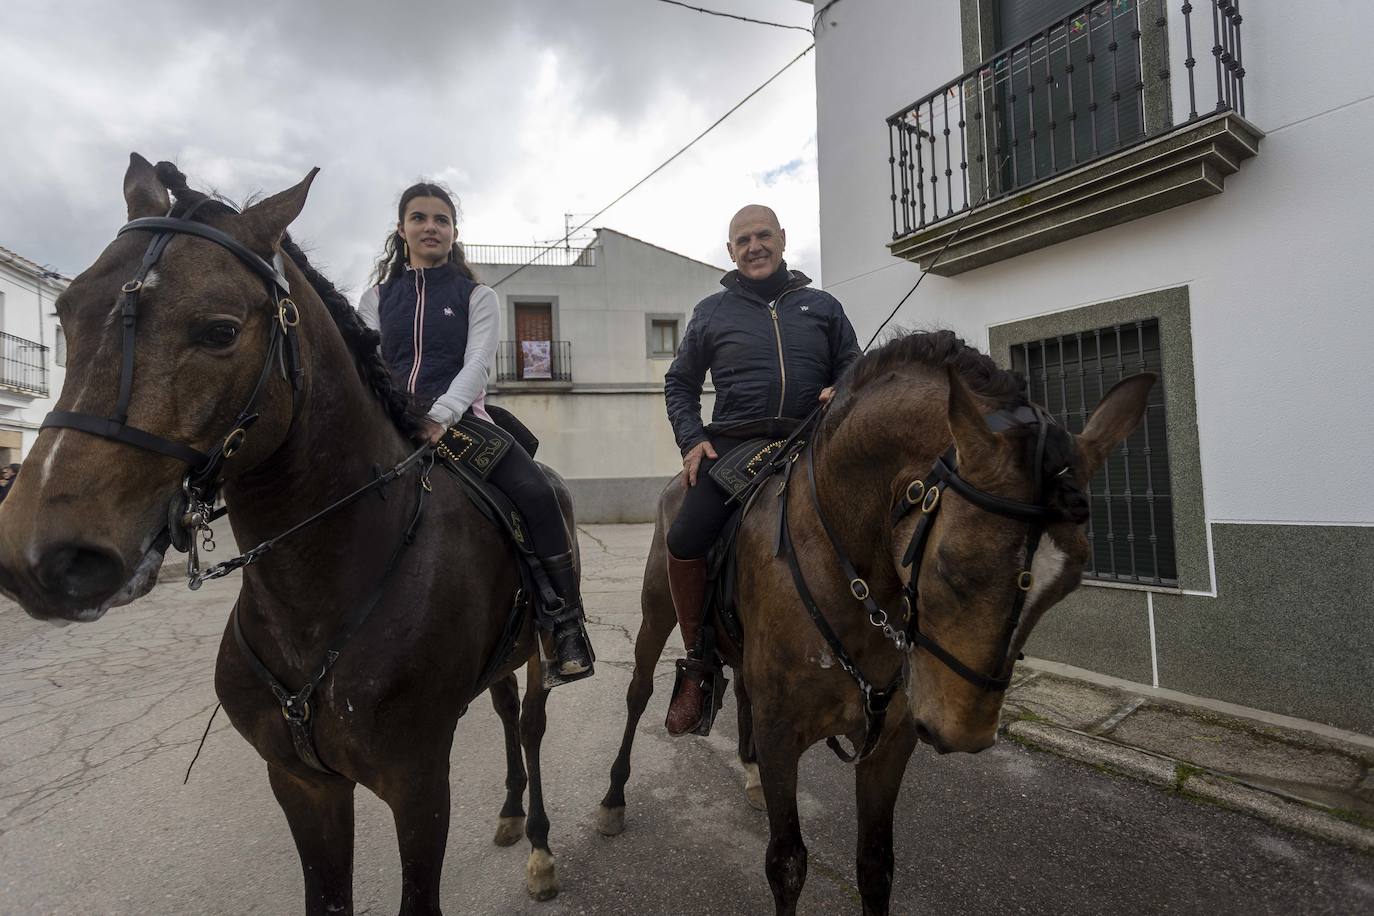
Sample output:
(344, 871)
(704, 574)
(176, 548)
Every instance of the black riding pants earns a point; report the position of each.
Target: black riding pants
(704, 512)
(524, 483)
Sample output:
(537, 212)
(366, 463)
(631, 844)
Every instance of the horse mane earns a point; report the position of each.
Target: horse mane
(937, 349)
(362, 341)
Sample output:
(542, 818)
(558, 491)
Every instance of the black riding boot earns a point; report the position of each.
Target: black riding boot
(571, 645)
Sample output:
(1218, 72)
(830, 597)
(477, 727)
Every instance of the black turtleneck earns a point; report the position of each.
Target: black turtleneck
(770, 287)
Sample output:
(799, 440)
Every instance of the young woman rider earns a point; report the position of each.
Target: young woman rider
(439, 330)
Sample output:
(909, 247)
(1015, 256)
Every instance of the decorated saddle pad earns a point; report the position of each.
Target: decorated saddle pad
(737, 468)
(475, 444)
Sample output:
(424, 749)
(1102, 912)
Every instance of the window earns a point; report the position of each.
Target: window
(59, 347)
(534, 340)
(663, 333)
(1131, 531)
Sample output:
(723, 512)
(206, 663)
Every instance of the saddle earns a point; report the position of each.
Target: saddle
(471, 450)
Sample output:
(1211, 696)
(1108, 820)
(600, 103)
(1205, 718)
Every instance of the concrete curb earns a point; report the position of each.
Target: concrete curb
(1193, 781)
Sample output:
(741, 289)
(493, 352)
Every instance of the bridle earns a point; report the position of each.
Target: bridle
(924, 494)
(194, 509)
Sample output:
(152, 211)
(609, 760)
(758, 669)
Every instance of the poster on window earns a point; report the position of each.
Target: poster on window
(536, 359)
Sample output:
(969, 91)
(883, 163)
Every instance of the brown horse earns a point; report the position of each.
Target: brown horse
(898, 410)
(86, 528)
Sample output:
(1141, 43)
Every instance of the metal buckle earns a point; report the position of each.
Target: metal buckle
(131, 287)
(1025, 580)
(931, 500)
(234, 441)
(288, 314)
(304, 716)
(914, 491)
(859, 589)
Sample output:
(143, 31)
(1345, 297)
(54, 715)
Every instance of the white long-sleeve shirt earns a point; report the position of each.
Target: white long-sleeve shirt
(469, 386)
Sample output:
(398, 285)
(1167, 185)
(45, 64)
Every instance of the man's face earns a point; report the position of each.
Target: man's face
(756, 244)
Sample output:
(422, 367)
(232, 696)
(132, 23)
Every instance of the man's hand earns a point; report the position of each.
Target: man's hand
(827, 394)
(692, 460)
(430, 431)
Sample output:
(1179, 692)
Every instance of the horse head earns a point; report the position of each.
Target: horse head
(977, 597)
(159, 370)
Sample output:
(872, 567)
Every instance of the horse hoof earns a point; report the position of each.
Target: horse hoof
(610, 821)
(509, 830)
(753, 787)
(540, 879)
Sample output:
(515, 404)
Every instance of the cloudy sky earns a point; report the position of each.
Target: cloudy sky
(526, 108)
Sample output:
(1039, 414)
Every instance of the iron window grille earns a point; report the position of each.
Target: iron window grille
(534, 361)
(1131, 529)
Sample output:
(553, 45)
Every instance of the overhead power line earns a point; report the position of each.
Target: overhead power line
(698, 9)
(660, 167)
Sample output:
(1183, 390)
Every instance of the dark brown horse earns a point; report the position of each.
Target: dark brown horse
(84, 531)
(898, 410)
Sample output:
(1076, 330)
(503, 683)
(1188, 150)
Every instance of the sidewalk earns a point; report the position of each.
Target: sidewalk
(1299, 775)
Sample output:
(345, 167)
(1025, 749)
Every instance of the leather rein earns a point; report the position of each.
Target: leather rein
(923, 494)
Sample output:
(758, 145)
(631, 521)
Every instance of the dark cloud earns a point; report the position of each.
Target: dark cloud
(525, 108)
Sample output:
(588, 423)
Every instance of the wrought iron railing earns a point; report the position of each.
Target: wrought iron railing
(534, 255)
(1072, 93)
(23, 365)
(534, 361)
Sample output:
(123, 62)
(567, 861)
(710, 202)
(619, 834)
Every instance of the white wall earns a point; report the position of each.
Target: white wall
(27, 312)
(1280, 278)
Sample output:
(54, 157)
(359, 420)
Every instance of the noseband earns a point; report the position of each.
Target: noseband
(926, 495)
(200, 482)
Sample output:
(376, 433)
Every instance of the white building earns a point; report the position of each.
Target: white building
(586, 336)
(32, 352)
(1099, 190)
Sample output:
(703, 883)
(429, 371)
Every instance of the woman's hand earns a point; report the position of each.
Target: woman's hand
(430, 431)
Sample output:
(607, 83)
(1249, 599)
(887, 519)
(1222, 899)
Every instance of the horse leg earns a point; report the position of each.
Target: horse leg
(419, 801)
(505, 698)
(654, 630)
(320, 813)
(753, 786)
(877, 780)
(541, 880)
(785, 862)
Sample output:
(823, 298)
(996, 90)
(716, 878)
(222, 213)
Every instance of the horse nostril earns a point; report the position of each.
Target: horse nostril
(79, 571)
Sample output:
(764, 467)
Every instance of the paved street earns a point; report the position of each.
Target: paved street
(98, 723)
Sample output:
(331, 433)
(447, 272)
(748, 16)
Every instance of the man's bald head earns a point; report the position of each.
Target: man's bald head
(752, 213)
(756, 241)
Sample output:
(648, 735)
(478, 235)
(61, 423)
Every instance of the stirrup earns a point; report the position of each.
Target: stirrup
(713, 683)
(549, 667)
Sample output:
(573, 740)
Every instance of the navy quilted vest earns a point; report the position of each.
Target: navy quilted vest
(424, 324)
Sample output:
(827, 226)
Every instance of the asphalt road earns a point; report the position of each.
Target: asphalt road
(98, 723)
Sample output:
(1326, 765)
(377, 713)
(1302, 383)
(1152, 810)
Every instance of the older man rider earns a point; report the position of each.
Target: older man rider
(774, 347)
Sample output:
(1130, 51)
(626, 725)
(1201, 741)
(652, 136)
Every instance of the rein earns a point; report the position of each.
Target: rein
(924, 494)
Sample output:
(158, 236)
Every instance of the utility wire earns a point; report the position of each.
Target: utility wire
(938, 255)
(776, 25)
(660, 167)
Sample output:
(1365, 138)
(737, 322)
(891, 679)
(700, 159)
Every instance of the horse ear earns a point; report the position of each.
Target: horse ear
(144, 194)
(1114, 418)
(976, 444)
(262, 225)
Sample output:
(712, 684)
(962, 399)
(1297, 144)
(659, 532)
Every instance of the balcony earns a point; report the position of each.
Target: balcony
(534, 361)
(532, 255)
(1070, 131)
(23, 366)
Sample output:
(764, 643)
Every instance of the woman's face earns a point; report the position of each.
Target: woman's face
(427, 228)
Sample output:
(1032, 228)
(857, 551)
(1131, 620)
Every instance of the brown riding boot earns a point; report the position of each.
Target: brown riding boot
(687, 582)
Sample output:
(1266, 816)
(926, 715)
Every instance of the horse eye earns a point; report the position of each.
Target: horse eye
(219, 335)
